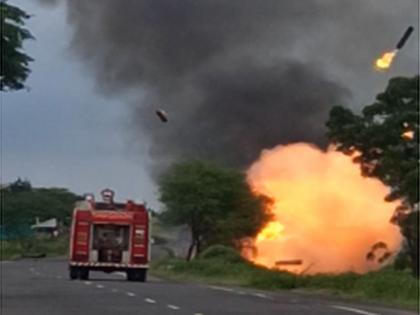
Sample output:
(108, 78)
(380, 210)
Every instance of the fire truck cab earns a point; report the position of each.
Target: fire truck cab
(108, 236)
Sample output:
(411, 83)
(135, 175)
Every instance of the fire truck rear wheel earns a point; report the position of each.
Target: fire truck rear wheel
(79, 273)
(142, 275)
(84, 274)
(74, 273)
(137, 275)
(130, 275)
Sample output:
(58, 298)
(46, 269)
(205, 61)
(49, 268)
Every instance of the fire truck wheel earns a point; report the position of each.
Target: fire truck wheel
(136, 275)
(131, 275)
(141, 275)
(84, 274)
(74, 273)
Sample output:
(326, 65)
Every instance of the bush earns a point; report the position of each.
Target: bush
(159, 240)
(222, 252)
(344, 282)
(385, 284)
(268, 279)
(223, 265)
(10, 250)
(34, 246)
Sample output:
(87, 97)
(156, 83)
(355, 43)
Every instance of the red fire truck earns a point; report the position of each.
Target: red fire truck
(108, 236)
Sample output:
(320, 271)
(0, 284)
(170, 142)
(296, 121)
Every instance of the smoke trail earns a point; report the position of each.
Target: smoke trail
(234, 76)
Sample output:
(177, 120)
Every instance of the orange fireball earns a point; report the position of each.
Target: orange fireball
(408, 135)
(385, 61)
(326, 214)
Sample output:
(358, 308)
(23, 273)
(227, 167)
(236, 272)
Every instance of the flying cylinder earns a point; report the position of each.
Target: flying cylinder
(289, 262)
(162, 115)
(405, 37)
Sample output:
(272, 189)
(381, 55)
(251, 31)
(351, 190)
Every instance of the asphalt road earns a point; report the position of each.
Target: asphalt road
(42, 287)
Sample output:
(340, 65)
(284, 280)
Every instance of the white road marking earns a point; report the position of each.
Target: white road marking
(99, 286)
(151, 301)
(173, 307)
(198, 314)
(354, 310)
(260, 295)
(114, 290)
(32, 269)
(37, 274)
(130, 294)
(122, 274)
(221, 289)
(88, 282)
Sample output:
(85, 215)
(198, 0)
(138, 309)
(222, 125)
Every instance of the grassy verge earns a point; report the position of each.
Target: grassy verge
(15, 249)
(387, 286)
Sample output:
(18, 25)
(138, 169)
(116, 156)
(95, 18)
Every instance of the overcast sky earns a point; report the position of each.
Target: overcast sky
(61, 132)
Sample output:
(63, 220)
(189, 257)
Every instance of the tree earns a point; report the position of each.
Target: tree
(21, 204)
(20, 185)
(215, 203)
(14, 62)
(384, 140)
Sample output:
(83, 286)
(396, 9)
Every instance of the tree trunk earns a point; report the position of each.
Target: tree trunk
(191, 251)
(415, 266)
(198, 244)
(413, 248)
(194, 245)
(410, 229)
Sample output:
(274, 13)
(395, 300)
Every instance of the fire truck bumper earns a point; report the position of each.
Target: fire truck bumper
(103, 266)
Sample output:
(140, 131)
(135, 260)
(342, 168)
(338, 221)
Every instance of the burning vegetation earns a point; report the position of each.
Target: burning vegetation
(327, 217)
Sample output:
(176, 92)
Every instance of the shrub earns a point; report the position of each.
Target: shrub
(268, 279)
(221, 252)
(343, 282)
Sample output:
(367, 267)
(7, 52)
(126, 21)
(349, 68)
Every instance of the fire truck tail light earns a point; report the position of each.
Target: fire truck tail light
(139, 236)
(139, 245)
(81, 238)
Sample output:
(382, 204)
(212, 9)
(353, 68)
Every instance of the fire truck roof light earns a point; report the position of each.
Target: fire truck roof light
(107, 195)
(89, 197)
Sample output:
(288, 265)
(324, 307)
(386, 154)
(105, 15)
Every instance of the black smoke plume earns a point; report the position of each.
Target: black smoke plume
(234, 76)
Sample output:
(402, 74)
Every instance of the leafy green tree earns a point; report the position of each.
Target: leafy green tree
(20, 206)
(20, 185)
(384, 140)
(215, 203)
(14, 62)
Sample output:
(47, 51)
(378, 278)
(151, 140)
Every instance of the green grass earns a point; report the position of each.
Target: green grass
(388, 286)
(14, 249)
(10, 250)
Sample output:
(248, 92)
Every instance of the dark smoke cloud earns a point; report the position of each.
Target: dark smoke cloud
(234, 76)
(244, 109)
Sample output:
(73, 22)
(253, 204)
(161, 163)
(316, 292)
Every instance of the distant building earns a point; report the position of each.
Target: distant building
(49, 227)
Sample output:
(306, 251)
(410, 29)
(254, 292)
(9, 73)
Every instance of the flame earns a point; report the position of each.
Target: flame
(272, 231)
(326, 213)
(408, 135)
(385, 61)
